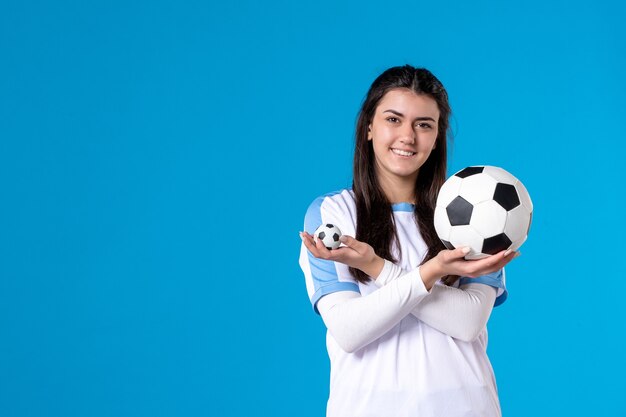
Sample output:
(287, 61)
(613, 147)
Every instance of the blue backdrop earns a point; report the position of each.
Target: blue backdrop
(157, 159)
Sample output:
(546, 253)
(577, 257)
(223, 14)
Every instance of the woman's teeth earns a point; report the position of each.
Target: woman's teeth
(403, 153)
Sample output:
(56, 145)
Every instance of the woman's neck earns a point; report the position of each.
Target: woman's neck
(398, 190)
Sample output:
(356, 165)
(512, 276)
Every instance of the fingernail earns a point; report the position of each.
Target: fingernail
(466, 250)
(517, 254)
(507, 253)
(342, 238)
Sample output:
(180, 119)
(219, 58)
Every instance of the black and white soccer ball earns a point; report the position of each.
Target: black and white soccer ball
(329, 235)
(485, 208)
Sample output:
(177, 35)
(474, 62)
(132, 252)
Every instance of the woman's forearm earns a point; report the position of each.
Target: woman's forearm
(461, 313)
(355, 320)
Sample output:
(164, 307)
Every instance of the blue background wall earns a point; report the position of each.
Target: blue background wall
(157, 159)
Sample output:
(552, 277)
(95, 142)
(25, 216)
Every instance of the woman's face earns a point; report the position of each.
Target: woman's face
(403, 131)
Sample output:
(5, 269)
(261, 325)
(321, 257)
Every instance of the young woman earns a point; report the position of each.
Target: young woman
(405, 336)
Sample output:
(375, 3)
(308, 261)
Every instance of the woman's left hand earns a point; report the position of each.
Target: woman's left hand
(355, 254)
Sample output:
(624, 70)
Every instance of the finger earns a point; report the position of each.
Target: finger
(309, 244)
(478, 267)
(498, 257)
(491, 260)
(306, 237)
(347, 240)
(341, 254)
(502, 262)
(457, 253)
(508, 258)
(351, 242)
(324, 253)
(310, 240)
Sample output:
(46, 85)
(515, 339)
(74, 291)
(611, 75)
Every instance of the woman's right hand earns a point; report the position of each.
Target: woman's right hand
(355, 253)
(452, 262)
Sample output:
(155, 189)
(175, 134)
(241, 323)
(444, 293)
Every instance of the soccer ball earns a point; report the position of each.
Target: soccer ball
(329, 234)
(485, 208)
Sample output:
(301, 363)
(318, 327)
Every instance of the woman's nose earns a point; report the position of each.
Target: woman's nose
(408, 136)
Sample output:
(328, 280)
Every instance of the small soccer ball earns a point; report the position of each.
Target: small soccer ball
(485, 208)
(329, 234)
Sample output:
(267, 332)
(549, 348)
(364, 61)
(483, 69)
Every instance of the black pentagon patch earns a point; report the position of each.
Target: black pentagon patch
(447, 244)
(322, 235)
(506, 196)
(329, 248)
(336, 237)
(459, 211)
(495, 244)
(330, 226)
(466, 172)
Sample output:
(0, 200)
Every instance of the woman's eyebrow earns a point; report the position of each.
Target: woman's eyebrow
(397, 113)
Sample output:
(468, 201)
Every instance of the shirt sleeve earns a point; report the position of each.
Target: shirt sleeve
(495, 279)
(323, 276)
(355, 321)
(461, 313)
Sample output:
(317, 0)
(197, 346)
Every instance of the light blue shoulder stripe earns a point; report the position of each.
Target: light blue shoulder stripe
(323, 272)
(329, 288)
(495, 279)
(313, 217)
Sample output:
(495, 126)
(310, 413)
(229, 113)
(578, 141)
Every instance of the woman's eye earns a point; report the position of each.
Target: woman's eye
(424, 125)
(392, 119)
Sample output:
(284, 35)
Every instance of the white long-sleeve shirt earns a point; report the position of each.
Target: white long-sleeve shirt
(356, 320)
(407, 366)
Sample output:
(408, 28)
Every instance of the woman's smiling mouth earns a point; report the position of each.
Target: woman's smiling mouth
(402, 153)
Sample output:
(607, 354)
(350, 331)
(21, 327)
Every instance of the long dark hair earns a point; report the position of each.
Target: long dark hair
(375, 223)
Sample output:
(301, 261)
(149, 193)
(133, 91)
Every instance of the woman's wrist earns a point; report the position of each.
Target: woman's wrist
(374, 267)
(431, 272)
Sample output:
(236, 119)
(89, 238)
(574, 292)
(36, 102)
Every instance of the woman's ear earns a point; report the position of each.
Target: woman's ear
(369, 132)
